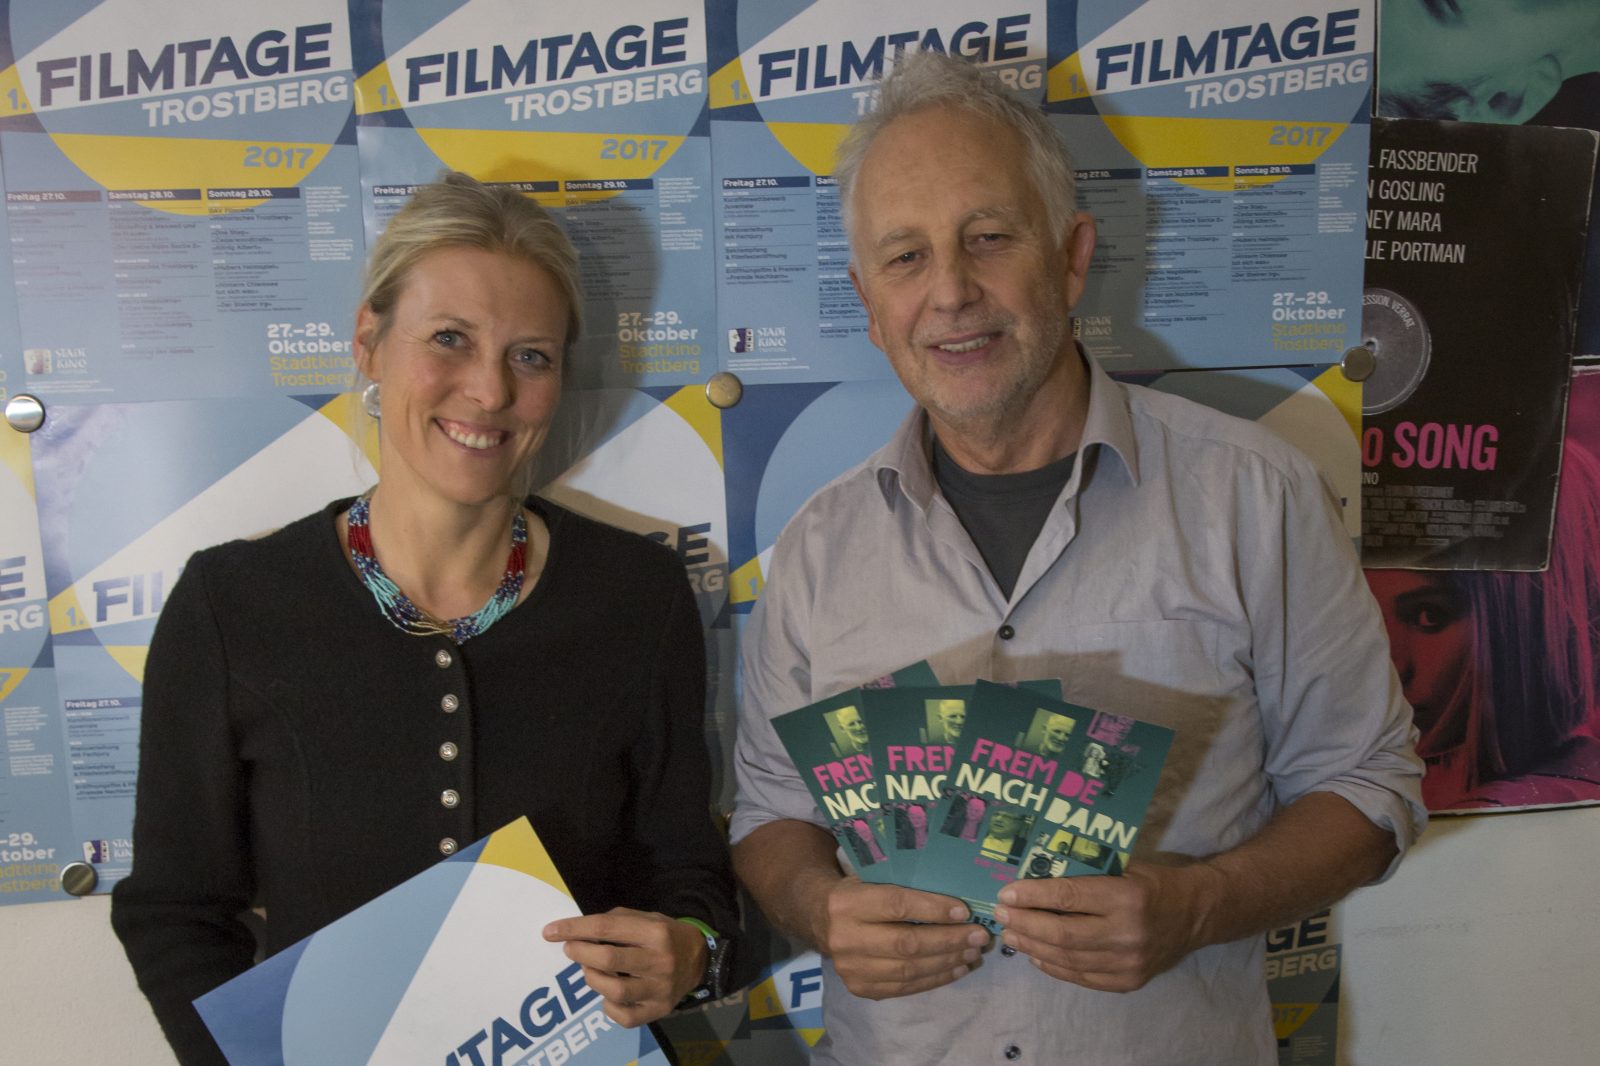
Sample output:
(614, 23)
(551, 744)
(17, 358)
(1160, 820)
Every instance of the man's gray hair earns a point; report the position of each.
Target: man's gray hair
(933, 79)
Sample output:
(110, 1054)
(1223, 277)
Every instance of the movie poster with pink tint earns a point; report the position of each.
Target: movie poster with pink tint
(1503, 668)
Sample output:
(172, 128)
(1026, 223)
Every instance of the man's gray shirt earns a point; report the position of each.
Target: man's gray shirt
(1195, 573)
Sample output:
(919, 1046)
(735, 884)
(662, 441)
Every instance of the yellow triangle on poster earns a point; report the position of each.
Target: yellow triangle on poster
(699, 1052)
(813, 144)
(745, 584)
(345, 412)
(9, 680)
(691, 405)
(130, 657)
(729, 87)
(15, 454)
(1344, 394)
(517, 847)
(763, 1000)
(13, 97)
(811, 1036)
(375, 91)
(1066, 81)
(66, 613)
(1287, 1017)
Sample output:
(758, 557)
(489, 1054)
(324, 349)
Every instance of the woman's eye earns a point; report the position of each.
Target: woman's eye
(1431, 617)
(447, 338)
(530, 357)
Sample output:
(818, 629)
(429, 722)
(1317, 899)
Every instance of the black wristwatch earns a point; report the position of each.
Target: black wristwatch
(713, 980)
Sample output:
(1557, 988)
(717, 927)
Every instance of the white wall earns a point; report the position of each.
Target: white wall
(1482, 948)
(1479, 952)
(66, 992)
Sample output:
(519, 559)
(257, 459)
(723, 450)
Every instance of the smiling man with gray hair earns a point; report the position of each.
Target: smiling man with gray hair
(1034, 518)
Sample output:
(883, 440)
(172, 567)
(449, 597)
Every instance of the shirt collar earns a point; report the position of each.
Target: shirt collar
(906, 463)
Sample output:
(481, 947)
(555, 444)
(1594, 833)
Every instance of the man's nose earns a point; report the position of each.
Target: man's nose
(954, 284)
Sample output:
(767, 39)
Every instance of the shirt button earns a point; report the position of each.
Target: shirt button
(442, 659)
(447, 846)
(449, 704)
(447, 751)
(450, 798)
(1008, 951)
(1006, 632)
(1013, 1051)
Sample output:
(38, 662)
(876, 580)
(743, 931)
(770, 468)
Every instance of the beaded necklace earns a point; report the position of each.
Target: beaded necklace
(407, 616)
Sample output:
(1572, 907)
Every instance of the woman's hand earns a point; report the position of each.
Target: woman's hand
(641, 963)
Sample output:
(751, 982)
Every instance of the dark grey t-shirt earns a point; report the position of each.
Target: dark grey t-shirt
(1002, 513)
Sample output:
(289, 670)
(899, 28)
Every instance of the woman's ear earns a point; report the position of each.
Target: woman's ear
(365, 343)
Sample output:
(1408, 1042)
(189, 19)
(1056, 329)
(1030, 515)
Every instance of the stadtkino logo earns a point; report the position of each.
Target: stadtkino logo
(758, 338)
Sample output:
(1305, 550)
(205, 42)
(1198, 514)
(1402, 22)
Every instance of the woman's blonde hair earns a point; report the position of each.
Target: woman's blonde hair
(458, 211)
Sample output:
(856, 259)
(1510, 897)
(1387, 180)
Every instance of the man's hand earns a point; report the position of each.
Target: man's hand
(1109, 933)
(1116, 933)
(867, 931)
(642, 964)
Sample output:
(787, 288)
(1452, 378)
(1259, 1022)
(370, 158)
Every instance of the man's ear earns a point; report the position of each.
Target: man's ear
(872, 318)
(365, 343)
(1079, 250)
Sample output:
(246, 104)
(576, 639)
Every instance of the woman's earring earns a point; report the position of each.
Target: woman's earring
(371, 401)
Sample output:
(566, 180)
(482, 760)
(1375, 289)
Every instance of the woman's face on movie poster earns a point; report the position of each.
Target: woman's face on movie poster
(1430, 639)
(1484, 60)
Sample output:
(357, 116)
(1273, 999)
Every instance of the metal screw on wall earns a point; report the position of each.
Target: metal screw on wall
(24, 413)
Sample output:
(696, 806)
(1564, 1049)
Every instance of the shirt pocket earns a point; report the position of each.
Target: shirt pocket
(1158, 671)
(1173, 672)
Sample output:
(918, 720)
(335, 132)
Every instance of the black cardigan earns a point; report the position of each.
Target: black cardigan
(290, 750)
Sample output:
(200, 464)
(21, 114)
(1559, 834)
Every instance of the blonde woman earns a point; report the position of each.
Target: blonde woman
(331, 709)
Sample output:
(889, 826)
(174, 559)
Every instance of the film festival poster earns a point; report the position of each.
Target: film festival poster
(1303, 966)
(449, 966)
(1503, 668)
(1475, 242)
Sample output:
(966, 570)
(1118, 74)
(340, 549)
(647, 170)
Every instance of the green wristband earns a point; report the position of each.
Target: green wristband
(705, 930)
(711, 982)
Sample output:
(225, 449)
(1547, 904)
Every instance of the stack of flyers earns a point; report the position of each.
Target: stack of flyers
(963, 789)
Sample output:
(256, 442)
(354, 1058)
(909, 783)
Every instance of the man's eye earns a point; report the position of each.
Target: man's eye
(904, 259)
